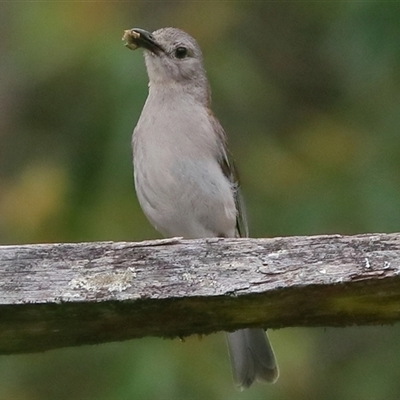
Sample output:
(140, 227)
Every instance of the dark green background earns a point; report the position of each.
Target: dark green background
(309, 94)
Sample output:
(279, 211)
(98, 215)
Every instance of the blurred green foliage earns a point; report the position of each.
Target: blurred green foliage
(309, 93)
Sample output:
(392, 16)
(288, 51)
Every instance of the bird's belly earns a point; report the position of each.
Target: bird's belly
(189, 198)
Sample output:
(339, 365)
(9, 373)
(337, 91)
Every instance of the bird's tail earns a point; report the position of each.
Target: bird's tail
(252, 357)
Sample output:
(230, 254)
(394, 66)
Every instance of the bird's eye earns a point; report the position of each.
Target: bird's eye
(181, 52)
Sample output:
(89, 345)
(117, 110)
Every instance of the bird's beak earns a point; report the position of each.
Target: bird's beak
(137, 37)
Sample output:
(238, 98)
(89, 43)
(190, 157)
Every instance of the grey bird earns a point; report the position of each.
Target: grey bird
(184, 178)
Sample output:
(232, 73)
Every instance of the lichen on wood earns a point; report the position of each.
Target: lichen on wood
(57, 295)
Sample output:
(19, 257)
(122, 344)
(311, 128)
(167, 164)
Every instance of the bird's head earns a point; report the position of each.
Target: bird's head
(172, 56)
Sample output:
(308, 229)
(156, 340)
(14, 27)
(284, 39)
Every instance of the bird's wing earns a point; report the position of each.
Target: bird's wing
(228, 168)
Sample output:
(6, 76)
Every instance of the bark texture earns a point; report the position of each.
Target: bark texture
(56, 295)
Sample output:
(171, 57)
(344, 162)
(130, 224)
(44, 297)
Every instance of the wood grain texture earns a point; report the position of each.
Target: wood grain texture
(56, 295)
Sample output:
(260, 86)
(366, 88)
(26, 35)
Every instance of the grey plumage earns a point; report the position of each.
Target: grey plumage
(184, 178)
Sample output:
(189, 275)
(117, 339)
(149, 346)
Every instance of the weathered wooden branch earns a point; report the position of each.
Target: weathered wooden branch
(56, 295)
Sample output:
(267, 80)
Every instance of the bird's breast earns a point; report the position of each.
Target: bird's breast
(178, 179)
